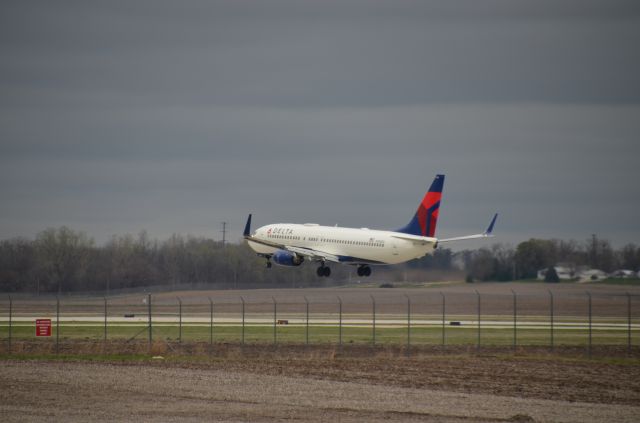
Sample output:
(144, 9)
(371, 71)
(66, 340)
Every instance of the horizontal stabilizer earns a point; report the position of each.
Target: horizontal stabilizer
(486, 234)
(414, 238)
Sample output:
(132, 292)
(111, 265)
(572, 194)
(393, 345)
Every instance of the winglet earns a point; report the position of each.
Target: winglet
(490, 228)
(247, 227)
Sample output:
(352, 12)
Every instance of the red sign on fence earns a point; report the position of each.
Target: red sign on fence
(43, 327)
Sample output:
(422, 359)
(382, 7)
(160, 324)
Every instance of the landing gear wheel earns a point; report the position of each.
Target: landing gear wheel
(364, 271)
(268, 264)
(323, 271)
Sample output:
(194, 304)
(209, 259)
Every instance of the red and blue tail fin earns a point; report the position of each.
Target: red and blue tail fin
(426, 217)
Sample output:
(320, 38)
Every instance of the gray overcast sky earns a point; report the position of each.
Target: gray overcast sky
(175, 116)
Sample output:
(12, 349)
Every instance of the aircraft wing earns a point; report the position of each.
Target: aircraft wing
(415, 238)
(313, 254)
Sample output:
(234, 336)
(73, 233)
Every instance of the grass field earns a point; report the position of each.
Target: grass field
(327, 334)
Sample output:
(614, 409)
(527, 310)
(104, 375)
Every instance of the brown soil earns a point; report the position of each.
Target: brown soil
(570, 299)
(263, 383)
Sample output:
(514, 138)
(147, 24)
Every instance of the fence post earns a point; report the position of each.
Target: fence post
(275, 312)
(628, 324)
(242, 299)
(306, 331)
(210, 325)
(373, 328)
(150, 322)
(179, 320)
(589, 296)
(478, 294)
(551, 316)
(57, 324)
(443, 318)
(408, 324)
(105, 320)
(340, 321)
(515, 320)
(10, 321)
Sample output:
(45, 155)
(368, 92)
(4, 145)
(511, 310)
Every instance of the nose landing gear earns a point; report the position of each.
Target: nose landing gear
(364, 270)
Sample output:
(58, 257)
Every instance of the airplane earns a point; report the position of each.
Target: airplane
(288, 244)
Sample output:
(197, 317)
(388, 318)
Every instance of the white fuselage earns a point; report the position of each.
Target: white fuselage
(354, 245)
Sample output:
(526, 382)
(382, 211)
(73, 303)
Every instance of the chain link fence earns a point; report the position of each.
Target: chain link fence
(404, 319)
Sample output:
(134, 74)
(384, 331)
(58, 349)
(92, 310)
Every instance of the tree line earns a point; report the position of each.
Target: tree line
(503, 263)
(62, 260)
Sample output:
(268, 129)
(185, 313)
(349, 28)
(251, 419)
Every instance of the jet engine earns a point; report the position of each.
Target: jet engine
(287, 258)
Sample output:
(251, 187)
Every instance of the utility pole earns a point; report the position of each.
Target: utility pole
(226, 253)
(224, 234)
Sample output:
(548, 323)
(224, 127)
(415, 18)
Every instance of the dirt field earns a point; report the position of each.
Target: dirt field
(570, 299)
(320, 385)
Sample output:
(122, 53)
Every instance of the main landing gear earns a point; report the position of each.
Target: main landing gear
(364, 270)
(323, 271)
(268, 265)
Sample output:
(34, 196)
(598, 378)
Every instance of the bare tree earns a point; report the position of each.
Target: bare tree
(63, 253)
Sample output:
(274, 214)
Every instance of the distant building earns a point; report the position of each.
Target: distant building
(623, 273)
(582, 273)
(564, 273)
(592, 275)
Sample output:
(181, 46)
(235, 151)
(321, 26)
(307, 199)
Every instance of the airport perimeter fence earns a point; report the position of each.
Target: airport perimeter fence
(405, 319)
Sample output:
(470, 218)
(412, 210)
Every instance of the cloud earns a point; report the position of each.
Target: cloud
(174, 117)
